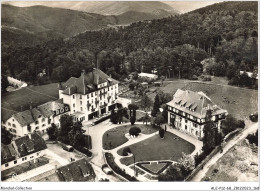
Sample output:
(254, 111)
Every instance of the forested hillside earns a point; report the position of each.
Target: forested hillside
(174, 46)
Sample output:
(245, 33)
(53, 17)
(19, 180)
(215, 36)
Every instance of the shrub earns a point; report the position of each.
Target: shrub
(126, 151)
(134, 131)
(104, 166)
(161, 133)
(132, 120)
(117, 169)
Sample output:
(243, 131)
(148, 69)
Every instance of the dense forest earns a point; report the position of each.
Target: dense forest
(174, 46)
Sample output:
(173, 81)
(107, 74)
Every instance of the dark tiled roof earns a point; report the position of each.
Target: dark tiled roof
(29, 144)
(8, 153)
(194, 103)
(29, 116)
(87, 83)
(77, 171)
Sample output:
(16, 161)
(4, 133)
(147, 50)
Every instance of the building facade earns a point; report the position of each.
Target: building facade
(187, 112)
(90, 95)
(21, 150)
(36, 119)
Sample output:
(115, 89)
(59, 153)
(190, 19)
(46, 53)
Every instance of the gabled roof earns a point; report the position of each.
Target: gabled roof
(87, 83)
(29, 116)
(29, 144)
(194, 103)
(21, 147)
(8, 153)
(77, 171)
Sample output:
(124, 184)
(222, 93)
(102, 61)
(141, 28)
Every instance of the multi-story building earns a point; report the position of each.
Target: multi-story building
(36, 119)
(187, 112)
(90, 95)
(21, 150)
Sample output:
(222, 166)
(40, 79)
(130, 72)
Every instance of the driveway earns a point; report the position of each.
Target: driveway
(249, 130)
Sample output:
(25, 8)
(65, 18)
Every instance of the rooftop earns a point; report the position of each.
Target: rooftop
(87, 83)
(194, 103)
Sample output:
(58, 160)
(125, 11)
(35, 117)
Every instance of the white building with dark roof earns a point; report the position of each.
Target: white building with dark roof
(187, 112)
(21, 150)
(90, 95)
(36, 119)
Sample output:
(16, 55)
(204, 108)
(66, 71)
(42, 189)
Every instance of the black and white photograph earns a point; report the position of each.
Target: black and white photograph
(129, 91)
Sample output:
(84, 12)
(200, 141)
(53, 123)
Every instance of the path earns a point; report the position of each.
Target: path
(229, 145)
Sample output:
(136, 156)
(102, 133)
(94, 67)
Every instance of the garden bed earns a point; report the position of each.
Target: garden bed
(154, 168)
(116, 136)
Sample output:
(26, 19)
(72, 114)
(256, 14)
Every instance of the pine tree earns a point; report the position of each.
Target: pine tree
(156, 106)
(210, 133)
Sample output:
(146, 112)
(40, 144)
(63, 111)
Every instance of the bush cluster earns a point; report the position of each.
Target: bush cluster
(134, 131)
(126, 151)
(117, 169)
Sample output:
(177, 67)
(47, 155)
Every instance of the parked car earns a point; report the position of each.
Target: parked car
(107, 170)
(67, 148)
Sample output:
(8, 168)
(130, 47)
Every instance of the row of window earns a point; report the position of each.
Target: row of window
(23, 159)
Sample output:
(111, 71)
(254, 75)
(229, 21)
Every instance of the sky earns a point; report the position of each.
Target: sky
(182, 6)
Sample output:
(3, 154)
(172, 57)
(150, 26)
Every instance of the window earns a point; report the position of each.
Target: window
(36, 128)
(185, 127)
(22, 159)
(88, 96)
(80, 102)
(36, 122)
(9, 123)
(91, 94)
(73, 104)
(31, 157)
(80, 96)
(38, 154)
(42, 131)
(6, 165)
(13, 119)
(15, 162)
(81, 109)
(186, 121)
(14, 130)
(43, 119)
(25, 158)
(49, 121)
(73, 96)
(43, 125)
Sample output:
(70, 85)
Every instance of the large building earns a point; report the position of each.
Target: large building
(21, 150)
(36, 119)
(90, 95)
(187, 112)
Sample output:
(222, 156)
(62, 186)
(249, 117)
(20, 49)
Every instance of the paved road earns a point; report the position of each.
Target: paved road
(249, 130)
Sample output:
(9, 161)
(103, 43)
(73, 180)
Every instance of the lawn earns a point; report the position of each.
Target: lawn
(12, 101)
(19, 169)
(231, 98)
(239, 164)
(116, 136)
(155, 148)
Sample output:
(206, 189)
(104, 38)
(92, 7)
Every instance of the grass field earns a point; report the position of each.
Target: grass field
(239, 102)
(116, 136)
(155, 148)
(239, 164)
(12, 101)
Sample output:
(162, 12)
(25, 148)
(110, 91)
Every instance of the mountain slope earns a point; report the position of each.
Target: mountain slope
(120, 7)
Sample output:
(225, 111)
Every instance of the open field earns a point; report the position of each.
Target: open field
(155, 148)
(239, 102)
(239, 164)
(13, 101)
(116, 136)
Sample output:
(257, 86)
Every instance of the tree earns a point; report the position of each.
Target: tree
(146, 118)
(159, 119)
(75, 135)
(4, 84)
(132, 86)
(187, 163)
(173, 173)
(146, 102)
(230, 124)
(165, 113)
(162, 78)
(161, 133)
(6, 136)
(156, 106)
(66, 123)
(210, 133)
(132, 120)
(52, 132)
